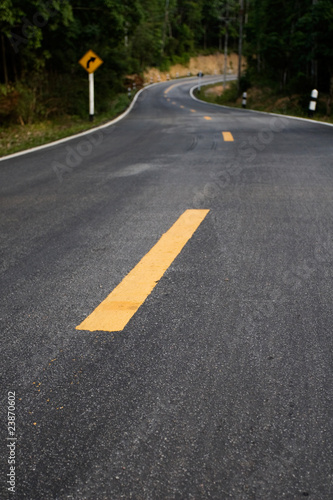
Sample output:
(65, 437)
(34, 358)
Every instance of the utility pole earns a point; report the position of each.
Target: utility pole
(314, 62)
(240, 44)
(226, 18)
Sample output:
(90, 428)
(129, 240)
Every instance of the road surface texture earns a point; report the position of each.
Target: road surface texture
(220, 384)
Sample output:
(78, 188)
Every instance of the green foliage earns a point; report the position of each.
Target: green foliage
(44, 39)
(230, 94)
(184, 59)
(288, 44)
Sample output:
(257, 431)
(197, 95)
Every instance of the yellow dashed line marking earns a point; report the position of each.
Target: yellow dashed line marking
(207, 117)
(182, 107)
(168, 90)
(227, 136)
(172, 87)
(113, 314)
(193, 111)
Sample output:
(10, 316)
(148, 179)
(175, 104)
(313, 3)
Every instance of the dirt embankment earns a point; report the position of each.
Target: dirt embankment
(208, 65)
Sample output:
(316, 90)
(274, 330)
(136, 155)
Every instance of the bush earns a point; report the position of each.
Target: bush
(184, 59)
(230, 94)
(245, 83)
(165, 64)
(9, 97)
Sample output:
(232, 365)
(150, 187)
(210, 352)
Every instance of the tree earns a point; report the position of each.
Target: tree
(283, 38)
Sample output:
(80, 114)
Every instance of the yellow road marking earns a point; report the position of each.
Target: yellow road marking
(172, 87)
(193, 110)
(113, 314)
(168, 89)
(182, 107)
(227, 136)
(207, 117)
(173, 102)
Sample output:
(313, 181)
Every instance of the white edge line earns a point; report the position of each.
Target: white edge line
(308, 120)
(80, 134)
(123, 115)
(91, 130)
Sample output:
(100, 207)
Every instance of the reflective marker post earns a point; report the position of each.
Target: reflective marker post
(200, 75)
(313, 102)
(91, 97)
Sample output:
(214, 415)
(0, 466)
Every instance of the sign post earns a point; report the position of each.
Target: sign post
(90, 62)
(91, 97)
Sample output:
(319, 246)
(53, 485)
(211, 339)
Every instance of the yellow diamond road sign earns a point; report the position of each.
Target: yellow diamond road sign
(90, 61)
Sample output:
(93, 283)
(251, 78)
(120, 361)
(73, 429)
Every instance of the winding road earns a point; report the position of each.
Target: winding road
(167, 312)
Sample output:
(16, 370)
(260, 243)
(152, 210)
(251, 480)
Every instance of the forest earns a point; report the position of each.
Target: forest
(288, 44)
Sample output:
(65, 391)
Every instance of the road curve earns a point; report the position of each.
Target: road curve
(220, 385)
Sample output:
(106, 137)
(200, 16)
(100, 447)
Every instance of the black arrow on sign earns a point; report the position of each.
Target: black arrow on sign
(92, 59)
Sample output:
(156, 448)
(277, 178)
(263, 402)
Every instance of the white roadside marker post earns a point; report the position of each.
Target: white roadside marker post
(200, 75)
(91, 97)
(313, 102)
(244, 99)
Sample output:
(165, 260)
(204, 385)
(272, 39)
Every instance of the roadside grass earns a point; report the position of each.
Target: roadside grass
(265, 99)
(15, 138)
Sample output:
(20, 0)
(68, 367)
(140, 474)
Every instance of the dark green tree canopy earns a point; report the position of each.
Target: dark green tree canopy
(289, 42)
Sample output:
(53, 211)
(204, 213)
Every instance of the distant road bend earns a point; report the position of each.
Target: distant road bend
(167, 307)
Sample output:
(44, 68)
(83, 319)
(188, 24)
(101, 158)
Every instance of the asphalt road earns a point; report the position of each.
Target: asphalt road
(221, 384)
